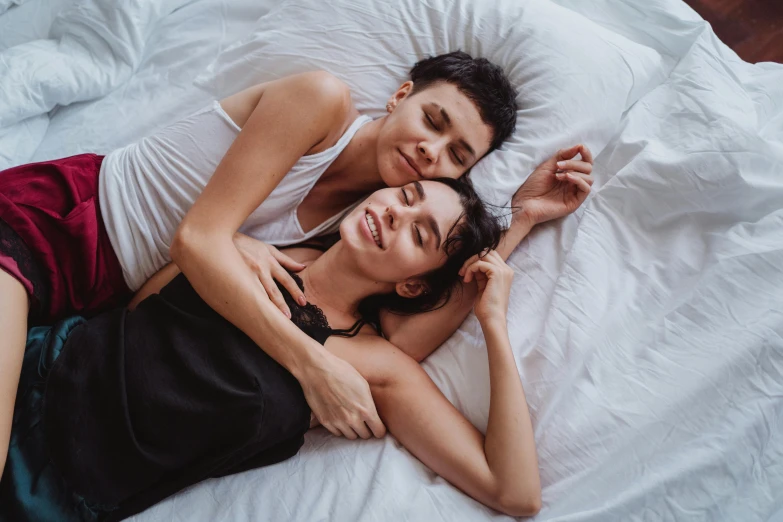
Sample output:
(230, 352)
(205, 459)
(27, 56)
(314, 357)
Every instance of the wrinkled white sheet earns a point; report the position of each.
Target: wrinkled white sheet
(648, 327)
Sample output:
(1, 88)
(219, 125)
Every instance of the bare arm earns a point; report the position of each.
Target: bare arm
(500, 469)
(556, 188)
(293, 115)
(419, 335)
(154, 284)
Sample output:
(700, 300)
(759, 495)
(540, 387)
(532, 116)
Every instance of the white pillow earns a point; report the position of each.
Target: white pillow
(575, 78)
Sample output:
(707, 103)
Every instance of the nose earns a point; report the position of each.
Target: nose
(396, 215)
(429, 151)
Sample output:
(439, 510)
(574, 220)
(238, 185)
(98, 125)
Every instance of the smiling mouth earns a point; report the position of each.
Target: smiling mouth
(373, 229)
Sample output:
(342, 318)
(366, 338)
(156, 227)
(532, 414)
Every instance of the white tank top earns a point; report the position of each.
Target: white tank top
(146, 189)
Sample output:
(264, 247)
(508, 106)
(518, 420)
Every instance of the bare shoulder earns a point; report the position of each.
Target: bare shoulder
(376, 359)
(326, 98)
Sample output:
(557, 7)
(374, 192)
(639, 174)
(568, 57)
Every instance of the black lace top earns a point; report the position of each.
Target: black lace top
(142, 404)
(311, 319)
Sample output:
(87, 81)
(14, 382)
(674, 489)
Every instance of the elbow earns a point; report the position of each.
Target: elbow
(179, 244)
(185, 240)
(526, 504)
(409, 347)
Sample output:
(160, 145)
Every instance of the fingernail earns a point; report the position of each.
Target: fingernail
(288, 314)
(560, 175)
(302, 301)
(561, 164)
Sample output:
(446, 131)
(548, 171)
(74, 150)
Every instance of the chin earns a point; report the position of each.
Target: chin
(350, 235)
(391, 176)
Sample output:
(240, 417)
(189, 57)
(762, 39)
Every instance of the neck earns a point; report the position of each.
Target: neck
(356, 169)
(334, 284)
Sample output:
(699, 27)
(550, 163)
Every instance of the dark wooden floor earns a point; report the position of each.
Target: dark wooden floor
(753, 28)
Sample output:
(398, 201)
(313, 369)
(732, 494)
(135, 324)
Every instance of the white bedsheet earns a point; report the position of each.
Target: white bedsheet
(648, 327)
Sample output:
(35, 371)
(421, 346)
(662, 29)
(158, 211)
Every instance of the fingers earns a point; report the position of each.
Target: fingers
(373, 422)
(583, 182)
(274, 293)
(354, 429)
(334, 431)
(472, 259)
(571, 152)
(491, 261)
(585, 153)
(361, 429)
(286, 261)
(485, 265)
(567, 154)
(288, 282)
(575, 165)
(346, 431)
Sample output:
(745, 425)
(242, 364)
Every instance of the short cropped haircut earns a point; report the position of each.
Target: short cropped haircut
(483, 82)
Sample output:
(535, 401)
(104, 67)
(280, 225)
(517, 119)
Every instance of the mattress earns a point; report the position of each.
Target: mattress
(647, 327)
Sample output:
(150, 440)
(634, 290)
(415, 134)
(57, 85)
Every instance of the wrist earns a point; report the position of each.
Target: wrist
(496, 335)
(494, 323)
(522, 220)
(308, 363)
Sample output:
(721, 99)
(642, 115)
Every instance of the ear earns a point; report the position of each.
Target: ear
(411, 288)
(404, 90)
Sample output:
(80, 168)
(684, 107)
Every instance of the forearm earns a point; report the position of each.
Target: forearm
(517, 231)
(419, 335)
(154, 284)
(509, 444)
(220, 276)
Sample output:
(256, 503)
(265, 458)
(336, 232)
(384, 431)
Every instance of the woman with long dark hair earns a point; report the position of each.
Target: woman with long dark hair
(122, 410)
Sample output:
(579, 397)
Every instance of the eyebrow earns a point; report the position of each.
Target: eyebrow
(430, 220)
(446, 118)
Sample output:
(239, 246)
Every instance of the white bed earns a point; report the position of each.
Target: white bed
(648, 327)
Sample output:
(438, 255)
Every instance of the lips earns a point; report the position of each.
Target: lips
(373, 221)
(410, 165)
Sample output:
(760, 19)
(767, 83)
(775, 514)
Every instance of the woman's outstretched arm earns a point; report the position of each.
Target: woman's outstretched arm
(545, 195)
(500, 469)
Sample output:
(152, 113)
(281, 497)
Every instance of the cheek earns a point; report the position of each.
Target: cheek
(415, 261)
(402, 263)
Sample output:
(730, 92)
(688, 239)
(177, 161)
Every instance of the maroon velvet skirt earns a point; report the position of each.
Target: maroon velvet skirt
(53, 240)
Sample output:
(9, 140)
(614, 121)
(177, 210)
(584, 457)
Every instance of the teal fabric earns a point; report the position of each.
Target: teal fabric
(31, 489)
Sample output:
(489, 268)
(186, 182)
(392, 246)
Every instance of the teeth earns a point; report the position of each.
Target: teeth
(373, 228)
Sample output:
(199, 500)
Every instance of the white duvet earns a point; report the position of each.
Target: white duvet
(648, 327)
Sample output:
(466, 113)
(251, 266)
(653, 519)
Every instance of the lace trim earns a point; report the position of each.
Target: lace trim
(14, 247)
(312, 317)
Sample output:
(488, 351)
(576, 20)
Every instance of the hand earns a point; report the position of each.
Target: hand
(341, 400)
(556, 188)
(269, 265)
(493, 277)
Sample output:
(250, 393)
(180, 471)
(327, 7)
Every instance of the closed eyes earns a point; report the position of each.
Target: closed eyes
(416, 230)
(452, 151)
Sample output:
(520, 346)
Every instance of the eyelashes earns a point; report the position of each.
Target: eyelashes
(454, 154)
(415, 228)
